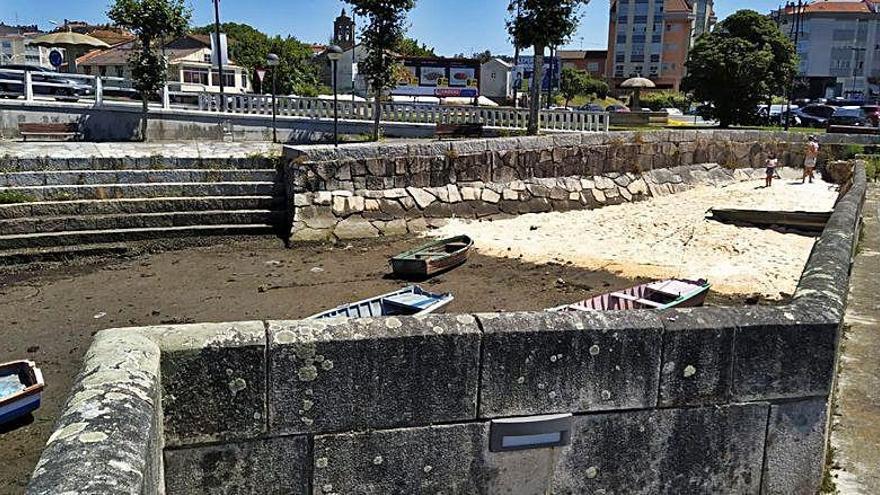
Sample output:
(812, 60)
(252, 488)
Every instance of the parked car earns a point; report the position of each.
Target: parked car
(815, 115)
(617, 109)
(592, 107)
(777, 115)
(673, 112)
(45, 82)
(851, 116)
(873, 113)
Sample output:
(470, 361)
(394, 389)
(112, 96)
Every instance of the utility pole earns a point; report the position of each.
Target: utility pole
(516, 58)
(219, 54)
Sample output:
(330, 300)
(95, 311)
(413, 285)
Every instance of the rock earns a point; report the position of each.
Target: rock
(371, 205)
(323, 198)
(587, 184)
(453, 194)
(491, 196)
(599, 196)
(393, 228)
(624, 192)
(342, 193)
(395, 193)
(355, 228)
(558, 194)
(470, 193)
(604, 183)
(510, 195)
(518, 185)
(302, 199)
(575, 196)
(417, 225)
(422, 198)
(638, 188)
(317, 269)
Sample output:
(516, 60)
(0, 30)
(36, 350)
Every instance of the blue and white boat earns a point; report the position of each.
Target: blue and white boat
(21, 389)
(409, 301)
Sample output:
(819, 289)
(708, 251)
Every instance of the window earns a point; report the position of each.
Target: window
(206, 58)
(593, 66)
(656, 38)
(6, 44)
(621, 38)
(640, 19)
(638, 38)
(655, 58)
(228, 78)
(620, 57)
(195, 76)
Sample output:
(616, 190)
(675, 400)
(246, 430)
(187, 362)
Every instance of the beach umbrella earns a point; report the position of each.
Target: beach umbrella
(72, 43)
(637, 84)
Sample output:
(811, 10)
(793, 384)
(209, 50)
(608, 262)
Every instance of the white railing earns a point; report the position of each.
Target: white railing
(105, 91)
(319, 108)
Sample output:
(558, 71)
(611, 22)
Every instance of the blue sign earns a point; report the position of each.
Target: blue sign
(56, 58)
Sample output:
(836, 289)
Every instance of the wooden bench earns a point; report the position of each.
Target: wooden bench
(53, 130)
(458, 130)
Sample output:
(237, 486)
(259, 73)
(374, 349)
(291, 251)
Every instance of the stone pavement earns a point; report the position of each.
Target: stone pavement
(181, 149)
(856, 434)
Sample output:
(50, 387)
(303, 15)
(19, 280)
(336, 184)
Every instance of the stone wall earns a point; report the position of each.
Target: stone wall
(370, 190)
(705, 400)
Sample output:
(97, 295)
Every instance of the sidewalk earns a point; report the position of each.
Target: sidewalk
(856, 434)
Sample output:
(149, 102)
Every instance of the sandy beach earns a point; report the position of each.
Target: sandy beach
(668, 237)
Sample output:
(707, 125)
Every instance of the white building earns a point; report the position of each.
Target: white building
(839, 48)
(496, 79)
(15, 46)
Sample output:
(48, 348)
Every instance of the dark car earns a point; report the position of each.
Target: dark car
(45, 82)
(814, 115)
(850, 116)
(873, 113)
(617, 109)
(592, 107)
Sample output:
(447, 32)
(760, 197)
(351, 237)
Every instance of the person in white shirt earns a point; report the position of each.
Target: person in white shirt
(771, 165)
(812, 156)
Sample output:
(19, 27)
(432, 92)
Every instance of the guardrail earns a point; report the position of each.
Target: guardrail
(105, 90)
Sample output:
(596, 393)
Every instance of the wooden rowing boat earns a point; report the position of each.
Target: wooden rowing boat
(21, 389)
(432, 258)
(665, 294)
(409, 301)
(807, 221)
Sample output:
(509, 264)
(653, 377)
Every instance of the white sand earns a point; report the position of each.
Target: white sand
(667, 237)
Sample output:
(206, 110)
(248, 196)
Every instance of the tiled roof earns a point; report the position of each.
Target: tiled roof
(839, 6)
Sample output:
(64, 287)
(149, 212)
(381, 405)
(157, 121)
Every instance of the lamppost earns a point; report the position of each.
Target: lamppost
(855, 68)
(334, 53)
(272, 61)
(798, 13)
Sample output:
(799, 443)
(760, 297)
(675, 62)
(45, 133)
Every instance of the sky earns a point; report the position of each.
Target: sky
(450, 26)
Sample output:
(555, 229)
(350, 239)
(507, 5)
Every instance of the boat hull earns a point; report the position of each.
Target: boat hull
(26, 390)
(421, 263)
(667, 294)
(410, 301)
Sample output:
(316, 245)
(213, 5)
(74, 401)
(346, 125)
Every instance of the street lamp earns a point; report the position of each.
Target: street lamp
(334, 53)
(797, 24)
(272, 61)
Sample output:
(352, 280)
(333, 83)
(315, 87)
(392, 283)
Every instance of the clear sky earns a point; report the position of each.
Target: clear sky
(451, 26)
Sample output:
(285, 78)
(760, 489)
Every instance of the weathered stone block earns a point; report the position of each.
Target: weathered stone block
(213, 381)
(796, 447)
(702, 450)
(355, 227)
(697, 358)
(541, 363)
(422, 198)
(490, 196)
(271, 466)
(372, 373)
(780, 354)
(436, 459)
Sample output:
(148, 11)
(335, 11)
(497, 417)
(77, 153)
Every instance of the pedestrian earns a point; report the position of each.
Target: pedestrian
(771, 165)
(812, 156)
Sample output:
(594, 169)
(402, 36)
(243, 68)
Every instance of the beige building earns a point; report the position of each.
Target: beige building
(652, 38)
(189, 64)
(15, 46)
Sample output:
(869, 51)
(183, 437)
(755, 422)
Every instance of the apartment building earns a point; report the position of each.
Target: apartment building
(15, 46)
(839, 48)
(652, 38)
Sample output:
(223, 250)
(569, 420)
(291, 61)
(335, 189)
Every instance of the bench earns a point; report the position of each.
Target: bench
(459, 130)
(644, 302)
(53, 130)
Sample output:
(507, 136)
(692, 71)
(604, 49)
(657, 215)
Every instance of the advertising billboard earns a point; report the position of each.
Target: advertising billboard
(438, 77)
(525, 68)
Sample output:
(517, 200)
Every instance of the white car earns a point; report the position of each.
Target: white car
(673, 112)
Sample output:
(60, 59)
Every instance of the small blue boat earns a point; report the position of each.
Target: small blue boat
(21, 389)
(409, 301)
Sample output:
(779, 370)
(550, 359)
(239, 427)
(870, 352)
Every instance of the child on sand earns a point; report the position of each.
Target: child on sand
(811, 159)
(771, 164)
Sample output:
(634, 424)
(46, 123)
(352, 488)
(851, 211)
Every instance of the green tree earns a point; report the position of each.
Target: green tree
(597, 87)
(743, 63)
(382, 33)
(540, 24)
(572, 84)
(151, 21)
(409, 47)
(658, 100)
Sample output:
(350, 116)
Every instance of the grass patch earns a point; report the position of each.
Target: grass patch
(14, 197)
(872, 168)
(773, 128)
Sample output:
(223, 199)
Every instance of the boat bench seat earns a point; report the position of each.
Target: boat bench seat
(410, 300)
(646, 302)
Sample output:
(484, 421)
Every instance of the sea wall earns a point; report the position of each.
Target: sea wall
(371, 190)
(706, 400)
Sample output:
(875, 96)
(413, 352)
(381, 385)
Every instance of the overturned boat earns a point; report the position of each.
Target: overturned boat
(409, 301)
(432, 258)
(21, 389)
(665, 294)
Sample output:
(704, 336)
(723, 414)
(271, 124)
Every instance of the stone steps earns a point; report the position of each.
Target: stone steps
(87, 237)
(97, 177)
(60, 253)
(146, 190)
(140, 205)
(33, 225)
